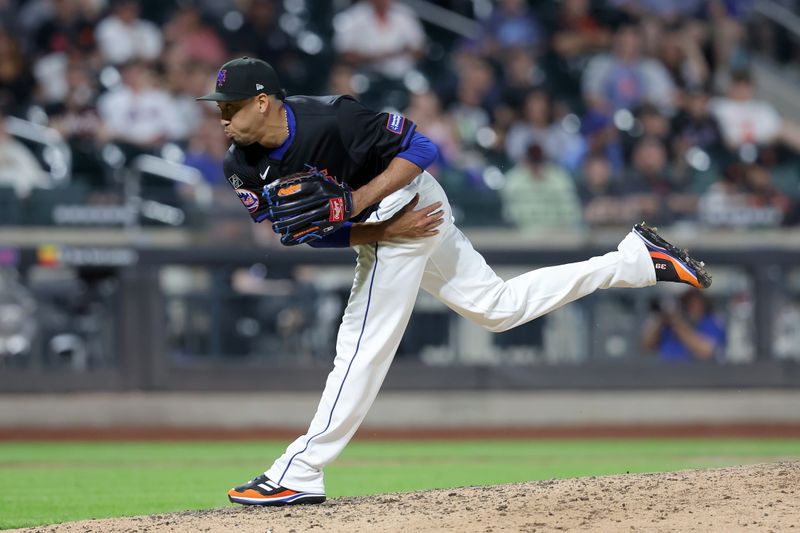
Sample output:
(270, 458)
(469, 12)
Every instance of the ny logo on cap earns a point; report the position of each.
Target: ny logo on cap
(221, 78)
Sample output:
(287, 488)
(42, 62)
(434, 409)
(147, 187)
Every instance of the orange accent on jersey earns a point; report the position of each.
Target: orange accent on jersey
(289, 189)
(682, 271)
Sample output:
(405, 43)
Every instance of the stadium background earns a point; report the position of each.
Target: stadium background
(138, 301)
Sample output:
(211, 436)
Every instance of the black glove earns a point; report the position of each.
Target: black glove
(307, 206)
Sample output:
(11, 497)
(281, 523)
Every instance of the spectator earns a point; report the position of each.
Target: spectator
(695, 126)
(743, 119)
(724, 203)
(8, 12)
(533, 127)
(217, 9)
(138, 114)
(745, 197)
(16, 82)
(602, 137)
(521, 75)
(470, 111)
(198, 41)
(578, 32)
(381, 36)
(649, 173)
(206, 150)
(649, 123)
(66, 34)
(260, 33)
(122, 36)
(539, 195)
(342, 80)
(726, 33)
(471, 116)
(696, 140)
(624, 79)
(51, 72)
(76, 118)
(185, 80)
(688, 332)
(537, 126)
(19, 168)
(262, 36)
(681, 54)
(653, 122)
(68, 27)
(600, 197)
(426, 112)
(650, 185)
(668, 11)
(511, 25)
(762, 193)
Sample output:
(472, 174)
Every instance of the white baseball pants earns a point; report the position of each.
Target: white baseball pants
(387, 278)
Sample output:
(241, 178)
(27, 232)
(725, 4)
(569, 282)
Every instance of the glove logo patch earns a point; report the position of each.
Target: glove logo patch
(249, 199)
(289, 189)
(336, 209)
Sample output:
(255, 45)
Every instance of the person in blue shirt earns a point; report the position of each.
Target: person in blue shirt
(687, 332)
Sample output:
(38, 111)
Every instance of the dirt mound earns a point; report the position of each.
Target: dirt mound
(763, 497)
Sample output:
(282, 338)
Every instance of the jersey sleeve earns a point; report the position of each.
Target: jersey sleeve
(246, 185)
(421, 151)
(366, 134)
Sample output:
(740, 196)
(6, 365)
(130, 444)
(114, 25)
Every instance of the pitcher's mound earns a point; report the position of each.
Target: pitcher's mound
(763, 497)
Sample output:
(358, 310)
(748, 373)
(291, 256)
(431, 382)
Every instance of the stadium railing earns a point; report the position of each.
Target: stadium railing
(221, 318)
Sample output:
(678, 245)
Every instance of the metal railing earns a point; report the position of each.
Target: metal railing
(146, 319)
(56, 152)
(779, 14)
(445, 18)
(178, 174)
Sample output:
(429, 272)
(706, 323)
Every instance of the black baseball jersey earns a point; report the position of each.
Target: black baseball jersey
(334, 134)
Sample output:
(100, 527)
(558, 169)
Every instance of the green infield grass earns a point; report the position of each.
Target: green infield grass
(44, 483)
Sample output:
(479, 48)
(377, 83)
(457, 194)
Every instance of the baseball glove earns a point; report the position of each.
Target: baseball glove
(306, 206)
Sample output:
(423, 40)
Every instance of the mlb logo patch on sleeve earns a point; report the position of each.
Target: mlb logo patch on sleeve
(395, 123)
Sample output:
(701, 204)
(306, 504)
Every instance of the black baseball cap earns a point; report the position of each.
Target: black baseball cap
(243, 78)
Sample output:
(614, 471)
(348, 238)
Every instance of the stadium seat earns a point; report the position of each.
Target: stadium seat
(9, 206)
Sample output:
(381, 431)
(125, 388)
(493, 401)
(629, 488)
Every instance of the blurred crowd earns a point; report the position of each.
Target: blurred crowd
(547, 114)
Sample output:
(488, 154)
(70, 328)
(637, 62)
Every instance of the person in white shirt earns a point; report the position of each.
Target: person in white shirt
(123, 36)
(138, 113)
(742, 118)
(381, 36)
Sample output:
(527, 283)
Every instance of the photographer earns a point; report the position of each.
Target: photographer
(684, 330)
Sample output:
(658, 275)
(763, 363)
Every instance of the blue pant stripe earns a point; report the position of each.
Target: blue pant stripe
(358, 344)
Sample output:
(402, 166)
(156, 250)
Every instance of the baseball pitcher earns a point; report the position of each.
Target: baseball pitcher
(327, 171)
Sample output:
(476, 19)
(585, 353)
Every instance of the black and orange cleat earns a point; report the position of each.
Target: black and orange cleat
(671, 263)
(263, 491)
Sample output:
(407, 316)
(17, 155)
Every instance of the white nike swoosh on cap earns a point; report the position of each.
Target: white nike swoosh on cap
(264, 174)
